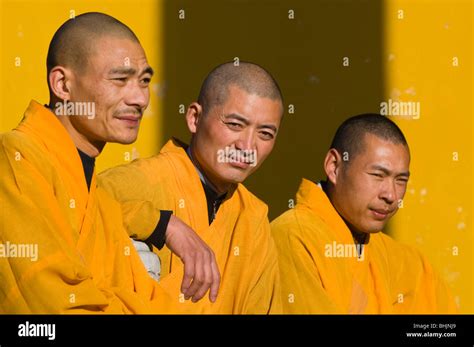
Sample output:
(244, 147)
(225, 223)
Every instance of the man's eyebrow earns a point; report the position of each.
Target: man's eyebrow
(127, 70)
(387, 171)
(237, 117)
(122, 71)
(148, 70)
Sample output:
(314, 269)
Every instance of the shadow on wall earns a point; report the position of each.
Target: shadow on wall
(304, 45)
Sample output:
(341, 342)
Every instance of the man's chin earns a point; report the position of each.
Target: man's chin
(237, 178)
(123, 140)
(232, 179)
(375, 228)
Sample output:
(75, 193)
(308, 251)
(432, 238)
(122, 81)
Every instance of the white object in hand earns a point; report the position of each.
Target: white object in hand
(149, 259)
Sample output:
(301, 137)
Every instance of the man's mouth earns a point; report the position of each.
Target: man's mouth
(132, 120)
(240, 164)
(380, 214)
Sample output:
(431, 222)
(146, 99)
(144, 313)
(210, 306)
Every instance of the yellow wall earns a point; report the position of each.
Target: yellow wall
(436, 217)
(407, 59)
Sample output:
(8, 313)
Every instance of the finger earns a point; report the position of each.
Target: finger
(198, 278)
(189, 270)
(216, 279)
(206, 284)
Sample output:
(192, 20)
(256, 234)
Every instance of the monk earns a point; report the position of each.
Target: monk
(233, 127)
(333, 256)
(64, 247)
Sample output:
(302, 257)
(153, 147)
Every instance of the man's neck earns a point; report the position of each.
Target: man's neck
(359, 236)
(204, 177)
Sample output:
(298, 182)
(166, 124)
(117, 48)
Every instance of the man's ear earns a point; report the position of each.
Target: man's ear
(193, 116)
(332, 165)
(59, 82)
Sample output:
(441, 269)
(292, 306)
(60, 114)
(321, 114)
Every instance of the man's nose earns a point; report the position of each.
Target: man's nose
(389, 192)
(137, 96)
(246, 140)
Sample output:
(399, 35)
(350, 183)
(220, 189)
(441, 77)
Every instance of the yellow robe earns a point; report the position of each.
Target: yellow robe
(239, 235)
(388, 277)
(85, 261)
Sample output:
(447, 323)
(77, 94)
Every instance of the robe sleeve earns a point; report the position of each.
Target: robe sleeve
(140, 214)
(59, 280)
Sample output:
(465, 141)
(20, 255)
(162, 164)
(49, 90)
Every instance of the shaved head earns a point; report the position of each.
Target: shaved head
(251, 78)
(350, 135)
(75, 41)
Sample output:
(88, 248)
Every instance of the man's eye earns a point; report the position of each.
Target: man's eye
(120, 79)
(266, 135)
(377, 175)
(146, 80)
(234, 125)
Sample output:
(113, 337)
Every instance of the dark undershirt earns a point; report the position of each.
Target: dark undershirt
(88, 164)
(213, 200)
(158, 236)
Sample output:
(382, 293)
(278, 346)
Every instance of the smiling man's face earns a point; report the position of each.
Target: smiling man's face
(116, 80)
(247, 125)
(369, 187)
